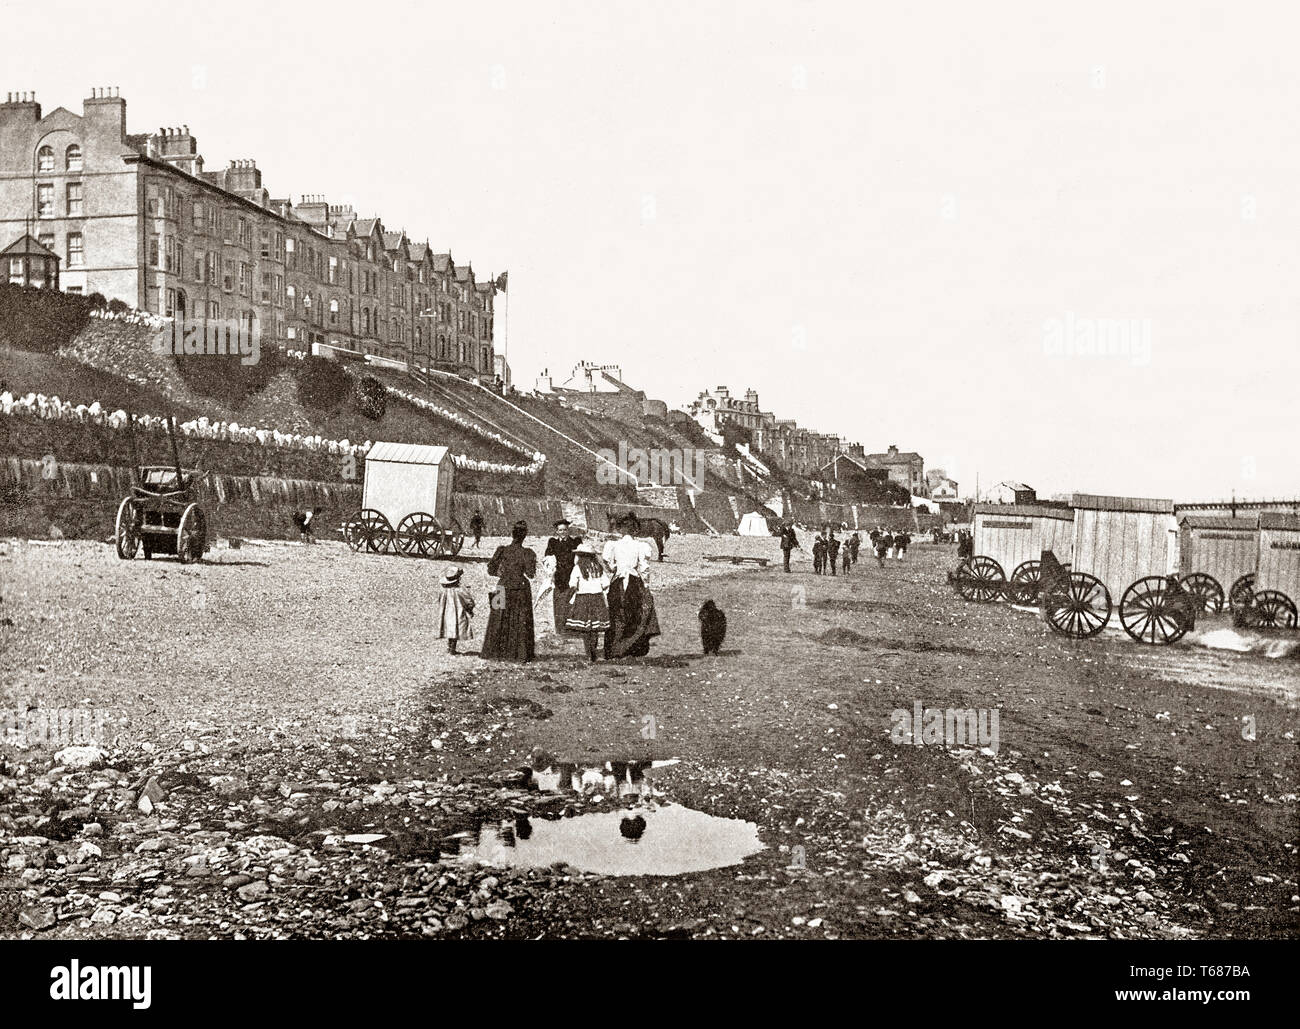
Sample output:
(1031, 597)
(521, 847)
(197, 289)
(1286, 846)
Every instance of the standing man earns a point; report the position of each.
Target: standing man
(561, 547)
(855, 541)
(846, 556)
(476, 527)
(788, 542)
(832, 549)
(819, 552)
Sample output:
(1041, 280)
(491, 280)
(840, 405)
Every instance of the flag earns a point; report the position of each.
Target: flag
(500, 283)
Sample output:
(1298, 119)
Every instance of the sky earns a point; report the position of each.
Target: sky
(901, 223)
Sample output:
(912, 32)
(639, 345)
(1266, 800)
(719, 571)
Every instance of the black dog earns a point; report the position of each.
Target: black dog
(713, 627)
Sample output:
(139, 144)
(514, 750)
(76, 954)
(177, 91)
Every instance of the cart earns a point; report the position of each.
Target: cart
(1120, 540)
(1271, 601)
(1215, 552)
(406, 503)
(161, 515)
(1012, 537)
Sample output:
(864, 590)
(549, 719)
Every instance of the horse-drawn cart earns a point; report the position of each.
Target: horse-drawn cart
(1215, 553)
(1271, 601)
(161, 515)
(406, 503)
(1011, 537)
(1120, 540)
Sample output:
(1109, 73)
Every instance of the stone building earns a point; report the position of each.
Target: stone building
(137, 217)
(907, 468)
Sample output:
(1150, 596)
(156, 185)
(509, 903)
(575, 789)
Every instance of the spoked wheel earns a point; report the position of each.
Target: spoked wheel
(1025, 583)
(980, 579)
(1205, 590)
(369, 530)
(1156, 610)
(1242, 589)
(417, 535)
(451, 539)
(1270, 609)
(126, 531)
(192, 535)
(1078, 606)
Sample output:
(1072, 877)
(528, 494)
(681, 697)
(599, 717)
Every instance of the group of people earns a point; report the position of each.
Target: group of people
(829, 552)
(594, 594)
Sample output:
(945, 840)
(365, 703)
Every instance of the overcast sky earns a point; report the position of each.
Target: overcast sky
(895, 221)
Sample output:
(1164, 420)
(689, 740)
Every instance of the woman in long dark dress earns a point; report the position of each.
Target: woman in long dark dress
(509, 633)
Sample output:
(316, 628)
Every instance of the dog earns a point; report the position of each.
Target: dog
(713, 627)
(303, 520)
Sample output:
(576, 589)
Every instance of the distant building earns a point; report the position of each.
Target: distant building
(847, 480)
(600, 389)
(503, 369)
(1012, 493)
(907, 468)
(940, 486)
(715, 408)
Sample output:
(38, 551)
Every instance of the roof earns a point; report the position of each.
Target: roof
(1276, 520)
(419, 251)
(856, 464)
(393, 240)
(464, 273)
(30, 246)
(407, 453)
(1096, 502)
(1026, 511)
(902, 457)
(1217, 522)
(364, 226)
(441, 262)
(1017, 486)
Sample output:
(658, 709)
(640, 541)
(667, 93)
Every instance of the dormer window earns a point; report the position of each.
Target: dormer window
(45, 159)
(73, 158)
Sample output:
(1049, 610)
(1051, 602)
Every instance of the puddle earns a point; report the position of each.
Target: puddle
(663, 839)
(645, 836)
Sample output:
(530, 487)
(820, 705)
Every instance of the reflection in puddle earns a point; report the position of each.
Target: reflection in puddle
(652, 839)
(612, 779)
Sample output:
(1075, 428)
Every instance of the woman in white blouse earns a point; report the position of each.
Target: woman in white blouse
(633, 621)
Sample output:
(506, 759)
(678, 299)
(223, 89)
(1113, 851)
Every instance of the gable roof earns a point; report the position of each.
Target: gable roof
(1017, 486)
(406, 453)
(464, 273)
(442, 262)
(1218, 522)
(902, 457)
(1095, 502)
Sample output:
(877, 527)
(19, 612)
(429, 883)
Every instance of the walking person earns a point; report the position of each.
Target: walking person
(561, 547)
(632, 617)
(509, 633)
(846, 557)
(476, 527)
(855, 542)
(819, 553)
(901, 541)
(832, 550)
(455, 609)
(788, 542)
(883, 542)
(589, 583)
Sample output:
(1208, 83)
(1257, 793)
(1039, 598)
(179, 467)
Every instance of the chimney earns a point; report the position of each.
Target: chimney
(18, 117)
(105, 113)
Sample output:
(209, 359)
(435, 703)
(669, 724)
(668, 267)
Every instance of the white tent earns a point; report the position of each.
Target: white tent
(753, 524)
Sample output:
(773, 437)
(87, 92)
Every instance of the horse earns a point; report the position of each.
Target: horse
(651, 528)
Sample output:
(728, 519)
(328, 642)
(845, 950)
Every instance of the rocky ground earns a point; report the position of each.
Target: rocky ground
(288, 752)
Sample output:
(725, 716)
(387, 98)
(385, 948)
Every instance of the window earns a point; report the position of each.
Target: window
(170, 207)
(266, 244)
(291, 248)
(199, 216)
(171, 303)
(334, 312)
(199, 266)
(245, 277)
(228, 279)
(266, 287)
(47, 240)
(334, 271)
(45, 159)
(169, 249)
(16, 270)
(214, 310)
(277, 294)
(72, 158)
(245, 234)
(153, 251)
(291, 298)
(279, 247)
(213, 268)
(45, 200)
(76, 250)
